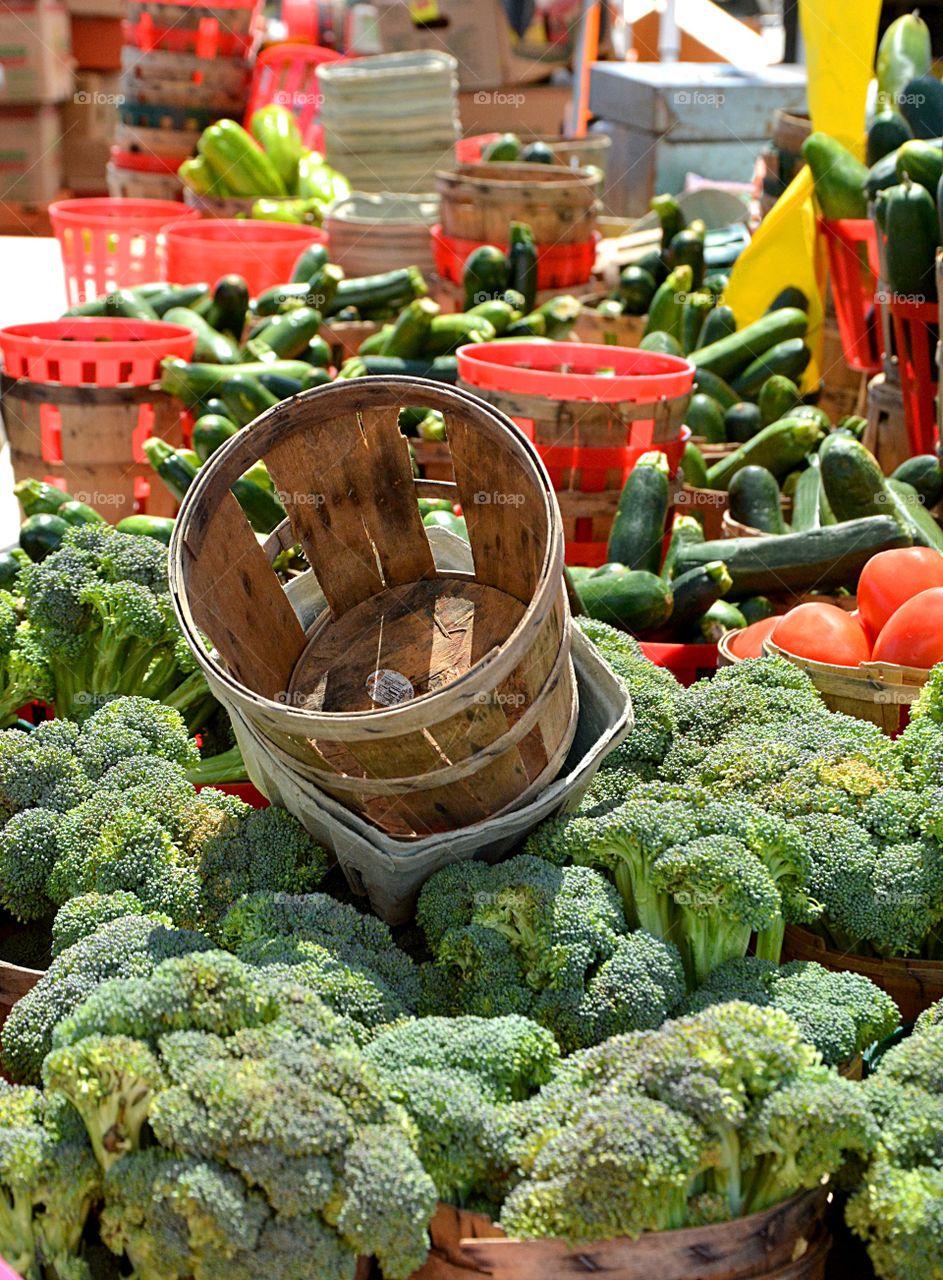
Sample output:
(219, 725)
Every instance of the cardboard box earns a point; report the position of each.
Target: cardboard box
(88, 127)
(476, 35)
(98, 8)
(35, 52)
(514, 108)
(30, 154)
(96, 43)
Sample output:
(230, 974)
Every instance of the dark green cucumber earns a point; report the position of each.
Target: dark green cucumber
(910, 221)
(37, 497)
(280, 386)
(694, 313)
(210, 345)
(731, 355)
(41, 534)
(76, 512)
(921, 162)
(285, 297)
(839, 177)
(853, 482)
(754, 500)
(654, 264)
(914, 516)
(485, 275)
(636, 290)
(159, 527)
(693, 466)
(756, 608)
(805, 501)
(721, 617)
(638, 529)
(787, 359)
(631, 599)
(921, 105)
(705, 418)
(174, 295)
(742, 421)
(687, 249)
(662, 343)
(522, 263)
(285, 337)
(714, 386)
(778, 447)
(778, 397)
(791, 296)
(684, 530)
(230, 305)
(441, 369)
(881, 175)
(368, 293)
(888, 131)
(209, 432)
(820, 558)
(665, 312)
(317, 353)
(262, 508)
(126, 305)
(245, 398)
(409, 335)
(309, 263)
(315, 377)
(925, 474)
(721, 323)
(695, 591)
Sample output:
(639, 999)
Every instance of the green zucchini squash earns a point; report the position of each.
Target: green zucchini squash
(754, 500)
(638, 530)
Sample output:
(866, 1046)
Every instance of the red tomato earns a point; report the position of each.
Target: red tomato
(913, 636)
(748, 643)
(892, 577)
(824, 633)
(870, 635)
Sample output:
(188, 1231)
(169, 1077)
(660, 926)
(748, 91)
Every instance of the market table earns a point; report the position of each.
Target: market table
(33, 289)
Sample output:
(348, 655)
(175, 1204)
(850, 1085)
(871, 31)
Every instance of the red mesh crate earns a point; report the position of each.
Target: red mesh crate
(287, 75)
(851, 244)
(916, 327)
(559, 266)
(263, 252)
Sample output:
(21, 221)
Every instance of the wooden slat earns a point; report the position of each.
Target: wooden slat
(669, 414)
(320, 490)
(238, 602)
(388, 501)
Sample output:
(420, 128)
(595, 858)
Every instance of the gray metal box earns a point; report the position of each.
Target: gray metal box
(668, 119)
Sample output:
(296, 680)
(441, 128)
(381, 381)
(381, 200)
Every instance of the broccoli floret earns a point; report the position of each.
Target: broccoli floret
(611, 787)
(130, 945)
(129, 727)
(24, 673)
(49, 1180)
(929, 702)
(531, 938)
(39, 769)
(932, 1017)
(510, 1057)
(841, 1013)
(87, 913)
(29, 846)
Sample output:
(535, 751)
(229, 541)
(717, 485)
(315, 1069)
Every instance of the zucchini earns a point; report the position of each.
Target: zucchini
(733, 354)
(317, 353)
(693, 466)
(485, 275)
(532, 326)
(925, 474)
(853, 482)
(128, 306)
(371, 293)
(638, 529)
(209, 432)
(914, 516)
(881, 175)
(408, 337)
(662, 343)
(229, 306)
(756, 608)
(721, 617)
(670, 217)
(717, 283)
(685, 530)
(194, 384)
(714, 386)
(308, 263)
(538, 153)
(888, 131)
(11, 563)
(440, 369)
(820, 558)
(705, 417)
(159, 527)
(721, 323)
(694, 313)
(210, 345)
(262, 508)
(755, 500)
(654, 264)
(778, 396)
(75, 513)
(779, 447)
(910, 222)
(285, 337)
(921, 105)
(811, 413)
(560, 314)
(787, 359)
(284, 297)
(41, 534)
(506, 148)
(789, 297)
(172, 465)
(36, 496)
(245, 398)
(742, 421)
(687, 249)
(496, 311)
(921, 162)
(174, 295)
(664, 315)
(315, 377)
(839, 177)
(805, 502)
(448, 333)
(522, 263)
(696, 590)
(282, 388)
(631, 599)
(636, 290)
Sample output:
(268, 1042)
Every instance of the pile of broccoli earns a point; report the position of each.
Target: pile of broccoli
(236, 1129)
(898, 1208)
(526, 937)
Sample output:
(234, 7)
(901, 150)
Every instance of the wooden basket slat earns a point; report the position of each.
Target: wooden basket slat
(258, 635)
(390, 511)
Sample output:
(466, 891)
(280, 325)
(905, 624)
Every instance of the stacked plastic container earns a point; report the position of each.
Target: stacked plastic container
(184, 65)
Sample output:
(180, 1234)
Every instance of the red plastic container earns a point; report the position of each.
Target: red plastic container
(90, 351)
(686, 662)
(558, 265)
(287, 75)
(262, 252)
(109, 244)
(916, 327)
(587, 449)
(246, 792)
(206, 36)
(470, 150)
(852, 247)
(144, 162)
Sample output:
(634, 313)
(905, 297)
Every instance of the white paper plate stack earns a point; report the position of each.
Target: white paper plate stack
(390, 121)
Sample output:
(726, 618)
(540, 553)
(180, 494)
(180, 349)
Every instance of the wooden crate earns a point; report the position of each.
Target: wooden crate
(886, 433)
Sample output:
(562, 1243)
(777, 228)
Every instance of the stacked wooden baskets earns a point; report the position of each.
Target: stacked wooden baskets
(423, 700)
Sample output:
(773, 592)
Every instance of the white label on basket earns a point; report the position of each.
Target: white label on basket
(389, 687)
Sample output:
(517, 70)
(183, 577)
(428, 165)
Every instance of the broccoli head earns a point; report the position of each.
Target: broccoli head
(39, 769)
(85, 914)
(124, 728)
(29, 846)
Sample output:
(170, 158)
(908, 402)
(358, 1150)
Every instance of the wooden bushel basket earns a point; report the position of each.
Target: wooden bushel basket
(788, 1242)
(422, 700)
(478, 201)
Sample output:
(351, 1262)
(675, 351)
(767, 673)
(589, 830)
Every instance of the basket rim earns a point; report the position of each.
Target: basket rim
(135, 337)
(493, 358)
(407, 716)
(104, 211)
(552, 177)
(870, 673)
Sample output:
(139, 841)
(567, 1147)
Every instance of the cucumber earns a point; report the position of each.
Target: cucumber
(779, 447)
(538, 153)
(662, 343)
(169, 296)
(717, 283)
(733, 354)
(317, 353)
(172, 465)
(820, 558)
(812, 413)
(638, 529)
(11, 563)
(126, 305)
(194, 384)
(75, 513)
(787, 359)
(694, 313)
(670, 217)
(36, 497)
(665, 312)
(262, 508)
(210, 345)
(41, 534)
(684, 530)
(839, 177)
(755, 500)
(229, 306)
(853, 482)
(159, 527)
(286, 337)
(889, 130)
(881, 175)
(245, 398)
(506, 148)
(532, 326)
(209, 432)
(924, 474)
(693, 466)
(687, 249)
(281, 388)
(636, 290)
(903, 53)
(911, 224)
(496, 311)
(308, 263)
(721, 617)
(441, 369)
(714, 386)
(373, 344)
(721, 323)
(805, 501)
(315, 377)
(914, 516)
(631, 599)
(756, 608)
(789, 297)
(522, 263)
(484, 275)
(921, 105)
(410, 332)
(705, 417)
(654, 264)
(778, 396)
(448, 333)
(921, 162)
(742, 421)
(788, 485)
(370, 293)
(695, 591)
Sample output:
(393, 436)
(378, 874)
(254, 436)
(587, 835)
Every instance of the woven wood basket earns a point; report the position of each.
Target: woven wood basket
(611, 331)
(479, 201)
(422, 700)
(788, 1242)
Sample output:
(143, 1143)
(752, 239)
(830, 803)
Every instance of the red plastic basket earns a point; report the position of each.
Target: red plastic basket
(686, 662)
(263, 252)
(470, 150)
(245, 791)
(109, 244)
(852, 247)
(916, 328)
(204, 35)
(596, 410)
(90, 351)
(143, 162)
(287, 75)
(558, 265)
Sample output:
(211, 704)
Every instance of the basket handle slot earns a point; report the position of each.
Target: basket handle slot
(256, 633)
